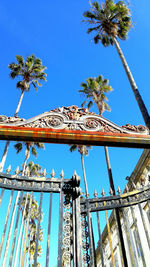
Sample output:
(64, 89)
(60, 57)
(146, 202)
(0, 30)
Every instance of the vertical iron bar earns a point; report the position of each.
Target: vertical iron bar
(116, 210)
(27, 228)
(1, 196)
(22, 240)
(60, 231)
(78, 233)
(49, 230)
(93, 243)
(38, 230)
(90, 234)
(21, 225)
(100, 238)
(15, 231)
(10, 230)
(74, 233)
(6, 221)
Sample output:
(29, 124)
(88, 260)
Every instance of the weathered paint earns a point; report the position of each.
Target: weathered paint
(73, 137)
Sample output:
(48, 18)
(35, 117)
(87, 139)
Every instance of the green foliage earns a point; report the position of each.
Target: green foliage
(82, 149)
(95, 90)
(33, 221)
(30, 146)
(30, 71)
(108, 20)
(35, 170)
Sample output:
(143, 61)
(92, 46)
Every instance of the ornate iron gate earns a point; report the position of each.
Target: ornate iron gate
(76, 246)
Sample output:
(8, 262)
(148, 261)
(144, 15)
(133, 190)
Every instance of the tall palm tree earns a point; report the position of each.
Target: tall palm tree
(34, 214)
(95, 90)
(29, 147)
(89, 90)
(111, 21)
(83, 150)
(29, 73)
(30, 216)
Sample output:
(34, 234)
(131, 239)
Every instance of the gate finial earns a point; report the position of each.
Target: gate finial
(52, 173)
(8, 169)
(62, 174)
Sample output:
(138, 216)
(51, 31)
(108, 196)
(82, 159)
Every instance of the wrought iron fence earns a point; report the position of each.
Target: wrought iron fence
(53, 209)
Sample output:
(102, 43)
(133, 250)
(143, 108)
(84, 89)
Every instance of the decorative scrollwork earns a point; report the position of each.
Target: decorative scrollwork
(66, 255)
(139, 128)
(54, 121)
(92, 124)
(3, 119)
(85, 240)
(73, 118)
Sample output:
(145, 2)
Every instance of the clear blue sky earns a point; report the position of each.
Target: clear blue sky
(53, 31)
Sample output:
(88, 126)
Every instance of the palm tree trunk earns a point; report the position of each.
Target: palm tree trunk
(21, 226)
(10, 230)
(3, 160)
(19, 103)
(84, 176)
(96, 102)
(27, 153)
(4, 156)
(27, 229)
(135, 90)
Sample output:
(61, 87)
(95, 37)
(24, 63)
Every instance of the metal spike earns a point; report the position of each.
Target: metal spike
(95, 193)
(17, 170)
(62, 174)
(44, 172)
(8, 169)
(53, 173)
(111, 191)
(103, 193)
(119, 190)
(126, 188)
(75, 173)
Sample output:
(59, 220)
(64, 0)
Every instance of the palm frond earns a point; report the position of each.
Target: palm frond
(18, 147)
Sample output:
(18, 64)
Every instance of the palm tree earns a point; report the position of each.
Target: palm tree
(90, 92)
(35, 170)
(111, 21)
(83, 150)
(95, 90)
(32, 218)
(30, 73)
(29, 147)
